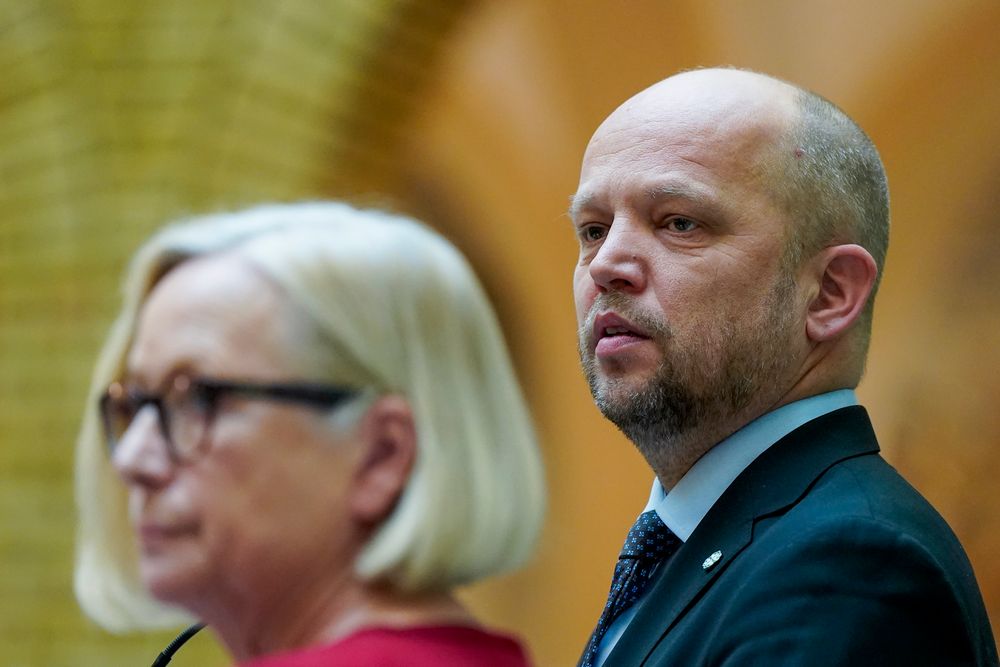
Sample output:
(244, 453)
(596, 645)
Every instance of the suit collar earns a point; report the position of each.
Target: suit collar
(776, 480)
(701, 487)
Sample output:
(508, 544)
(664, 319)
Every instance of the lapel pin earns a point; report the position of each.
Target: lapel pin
(710, 562)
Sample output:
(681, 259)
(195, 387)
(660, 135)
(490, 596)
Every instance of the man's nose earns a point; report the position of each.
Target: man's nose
(141, 457)
(619, 263)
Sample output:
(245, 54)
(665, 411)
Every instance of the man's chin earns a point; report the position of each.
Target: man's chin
(617, 397)
(615, 385)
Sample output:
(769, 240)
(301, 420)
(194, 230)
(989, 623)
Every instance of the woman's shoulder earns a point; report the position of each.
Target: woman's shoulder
(418, 646)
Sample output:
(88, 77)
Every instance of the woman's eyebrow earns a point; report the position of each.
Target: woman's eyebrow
(134, 378)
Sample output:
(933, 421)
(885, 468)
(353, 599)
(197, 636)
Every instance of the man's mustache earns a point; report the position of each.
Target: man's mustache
(652, 324)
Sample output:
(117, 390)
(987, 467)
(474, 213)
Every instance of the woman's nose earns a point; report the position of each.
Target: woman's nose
(141, 455)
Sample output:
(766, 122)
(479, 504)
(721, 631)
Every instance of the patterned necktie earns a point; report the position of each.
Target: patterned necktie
(648, 543)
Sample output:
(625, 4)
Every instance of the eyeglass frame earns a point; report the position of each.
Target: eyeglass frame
(211, 391)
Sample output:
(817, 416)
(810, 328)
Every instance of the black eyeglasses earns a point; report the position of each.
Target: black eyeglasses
(187, 408)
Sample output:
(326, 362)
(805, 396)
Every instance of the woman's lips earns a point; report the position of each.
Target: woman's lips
(152, 534)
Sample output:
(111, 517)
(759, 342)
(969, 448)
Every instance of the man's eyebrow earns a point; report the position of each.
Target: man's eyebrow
(677, 191)
(577, 203)
(574, 206)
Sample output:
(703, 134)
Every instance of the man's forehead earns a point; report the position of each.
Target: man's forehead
(655, 129)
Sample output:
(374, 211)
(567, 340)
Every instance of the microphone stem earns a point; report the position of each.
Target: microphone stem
(168, 652)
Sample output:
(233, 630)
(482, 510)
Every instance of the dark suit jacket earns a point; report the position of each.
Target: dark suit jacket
(829, 557)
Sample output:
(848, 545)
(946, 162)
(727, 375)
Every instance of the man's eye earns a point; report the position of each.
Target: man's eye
(592, 233)
(680, 224)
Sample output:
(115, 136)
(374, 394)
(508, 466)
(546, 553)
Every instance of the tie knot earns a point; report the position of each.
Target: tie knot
(649, 538)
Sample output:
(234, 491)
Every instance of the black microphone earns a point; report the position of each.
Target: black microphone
(178, 641)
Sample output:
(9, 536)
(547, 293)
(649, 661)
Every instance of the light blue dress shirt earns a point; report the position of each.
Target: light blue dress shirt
(693, 496)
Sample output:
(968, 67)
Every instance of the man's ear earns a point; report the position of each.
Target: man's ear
(846, 277)
(389, 447)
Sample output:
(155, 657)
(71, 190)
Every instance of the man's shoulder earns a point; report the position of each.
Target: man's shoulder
(860, 501)
(860, 569)
(857, 522)
(866, 491)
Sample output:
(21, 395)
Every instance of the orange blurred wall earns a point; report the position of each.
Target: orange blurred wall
(471, 114)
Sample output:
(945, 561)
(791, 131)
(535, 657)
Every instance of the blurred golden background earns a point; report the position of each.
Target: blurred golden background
(471, 114)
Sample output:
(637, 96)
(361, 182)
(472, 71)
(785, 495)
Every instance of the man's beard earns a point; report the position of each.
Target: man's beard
(699, 389)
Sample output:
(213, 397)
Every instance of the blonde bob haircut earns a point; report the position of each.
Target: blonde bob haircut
(394, 308)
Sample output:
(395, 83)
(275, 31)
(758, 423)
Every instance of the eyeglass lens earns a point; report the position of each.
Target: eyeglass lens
(181, 415)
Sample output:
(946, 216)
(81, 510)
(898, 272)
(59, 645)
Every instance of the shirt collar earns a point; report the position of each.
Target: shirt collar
(693, 496)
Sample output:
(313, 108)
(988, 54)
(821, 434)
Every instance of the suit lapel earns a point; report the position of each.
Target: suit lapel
(779, 478)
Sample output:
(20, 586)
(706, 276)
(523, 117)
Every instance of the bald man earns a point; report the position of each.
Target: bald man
(732, 232)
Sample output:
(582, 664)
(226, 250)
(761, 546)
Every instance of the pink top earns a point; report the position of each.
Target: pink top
(426, 646)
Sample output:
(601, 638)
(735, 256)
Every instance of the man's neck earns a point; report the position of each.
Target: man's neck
(672, 458)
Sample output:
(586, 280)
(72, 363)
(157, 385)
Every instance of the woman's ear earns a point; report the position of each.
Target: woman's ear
(846, 278)
(388, 450)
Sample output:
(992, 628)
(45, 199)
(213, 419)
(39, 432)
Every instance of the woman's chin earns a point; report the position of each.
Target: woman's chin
(175, 579)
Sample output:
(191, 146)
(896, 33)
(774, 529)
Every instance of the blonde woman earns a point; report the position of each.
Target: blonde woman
(304, 431)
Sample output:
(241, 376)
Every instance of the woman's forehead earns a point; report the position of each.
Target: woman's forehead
(213, 315)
